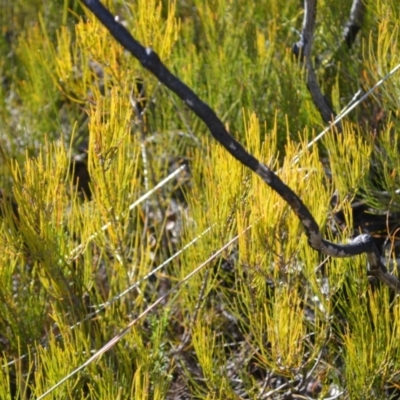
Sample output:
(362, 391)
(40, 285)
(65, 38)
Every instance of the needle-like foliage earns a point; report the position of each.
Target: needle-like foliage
(267, 317)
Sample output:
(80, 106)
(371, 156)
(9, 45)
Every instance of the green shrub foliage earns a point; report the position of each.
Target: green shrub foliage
(85, 131)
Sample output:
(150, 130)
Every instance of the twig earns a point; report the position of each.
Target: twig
(119, 296)
(76, 251)
(161, 299)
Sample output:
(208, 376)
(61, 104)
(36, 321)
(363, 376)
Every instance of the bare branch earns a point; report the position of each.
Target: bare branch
(355, 21)
(151, 61)
(303, 49)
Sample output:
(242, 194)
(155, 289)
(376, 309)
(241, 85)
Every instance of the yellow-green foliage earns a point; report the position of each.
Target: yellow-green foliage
(267, 308)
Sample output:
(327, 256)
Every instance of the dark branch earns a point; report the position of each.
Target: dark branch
(150, 60)
(355, 21)
(303, 49)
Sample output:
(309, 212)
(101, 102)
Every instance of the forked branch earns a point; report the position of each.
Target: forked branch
(151, 61)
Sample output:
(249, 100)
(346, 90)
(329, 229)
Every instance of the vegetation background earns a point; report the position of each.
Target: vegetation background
(267, 317)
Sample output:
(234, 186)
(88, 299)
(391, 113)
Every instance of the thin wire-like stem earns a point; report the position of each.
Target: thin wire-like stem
(142, 198)
(352, 105)
(160, 300)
